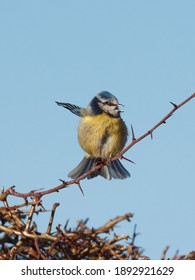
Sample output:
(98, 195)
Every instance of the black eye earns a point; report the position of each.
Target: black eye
(108, 103)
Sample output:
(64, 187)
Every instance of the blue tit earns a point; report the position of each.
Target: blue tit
(102, 134)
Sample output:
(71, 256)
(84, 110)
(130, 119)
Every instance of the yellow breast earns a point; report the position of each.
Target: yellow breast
(102, 136)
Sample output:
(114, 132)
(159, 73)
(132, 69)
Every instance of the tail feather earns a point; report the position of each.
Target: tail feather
(105, 172)
(118, 171)
(113, 170)
(84, 166)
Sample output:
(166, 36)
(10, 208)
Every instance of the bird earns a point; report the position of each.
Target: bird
(102, 134)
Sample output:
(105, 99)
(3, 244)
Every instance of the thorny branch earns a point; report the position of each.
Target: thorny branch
(134, 141)
(20, 239)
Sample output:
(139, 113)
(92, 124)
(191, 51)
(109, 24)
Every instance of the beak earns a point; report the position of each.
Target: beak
(121, 111)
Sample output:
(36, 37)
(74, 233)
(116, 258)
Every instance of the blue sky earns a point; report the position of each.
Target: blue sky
(142, 52)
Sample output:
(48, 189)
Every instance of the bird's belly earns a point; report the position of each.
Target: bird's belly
(102, 136)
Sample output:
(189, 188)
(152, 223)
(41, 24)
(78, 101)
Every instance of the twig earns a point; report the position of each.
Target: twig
(52, 217)
(15, 207)
(108, 226)
(164, 252)
(30, 216)
(38, 250)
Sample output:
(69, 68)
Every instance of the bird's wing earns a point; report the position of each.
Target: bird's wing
(71, 107)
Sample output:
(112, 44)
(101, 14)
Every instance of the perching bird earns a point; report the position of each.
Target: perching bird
(102, 134)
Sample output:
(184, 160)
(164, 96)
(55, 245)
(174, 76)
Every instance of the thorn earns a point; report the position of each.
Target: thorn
(86, 221)
(26, 200)
(79, 185)
(63, 182)
(133, 135)
(151, 135)
(37, 190)
(174, 105)
(164, 121)
(122, 157)
(66, 224)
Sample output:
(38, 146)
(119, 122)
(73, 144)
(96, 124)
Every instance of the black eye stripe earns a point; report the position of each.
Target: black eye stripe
(109, 103)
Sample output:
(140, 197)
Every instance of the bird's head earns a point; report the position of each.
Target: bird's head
(105, 102)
